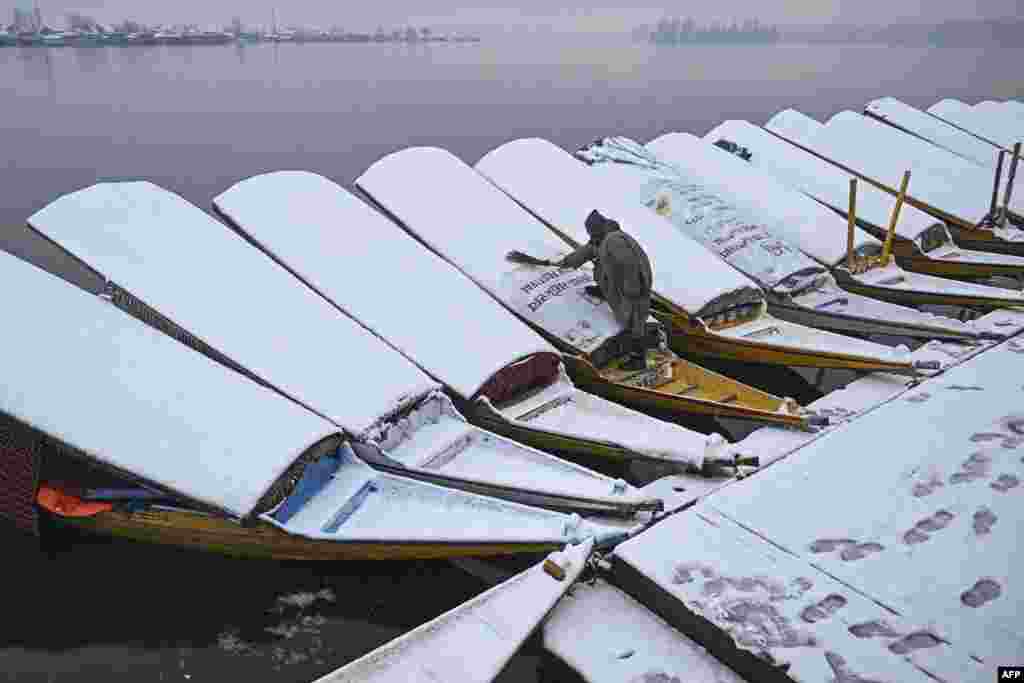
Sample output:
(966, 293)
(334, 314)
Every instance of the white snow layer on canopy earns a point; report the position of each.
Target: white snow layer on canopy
(936, 130)
(473, 642)
(562, 191)
(474, 225)
(379, 274)
(992, 128)
(939, 177)
(697, 210)
(825, 182)
(76, 368)
(209, 281)
(817, 230)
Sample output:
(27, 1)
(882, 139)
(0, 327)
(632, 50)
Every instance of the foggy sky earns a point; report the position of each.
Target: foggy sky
(607, 15)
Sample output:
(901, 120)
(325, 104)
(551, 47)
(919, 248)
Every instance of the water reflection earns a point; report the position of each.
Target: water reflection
(91, 59)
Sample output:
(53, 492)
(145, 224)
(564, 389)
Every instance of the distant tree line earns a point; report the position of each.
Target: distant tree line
(677, 31)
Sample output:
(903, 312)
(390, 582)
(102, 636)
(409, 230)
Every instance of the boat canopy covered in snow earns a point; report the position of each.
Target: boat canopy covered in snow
(821, 232)
(481, 225)
(935, 130)
(754, 338)
(84, 373)
(278, 330)
(1003, 130)
(509, 378)
(181, 263)
(702, 190)
(962, 197)
(921, 242)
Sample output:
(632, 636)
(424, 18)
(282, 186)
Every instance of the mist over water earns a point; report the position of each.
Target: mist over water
(198, 119)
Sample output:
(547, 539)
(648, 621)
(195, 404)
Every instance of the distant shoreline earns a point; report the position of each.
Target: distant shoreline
(45, 40)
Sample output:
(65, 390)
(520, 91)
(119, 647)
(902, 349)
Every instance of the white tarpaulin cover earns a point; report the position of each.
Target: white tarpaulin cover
(942, 179)
(375, 271)
(825, 182)
(474, 225)
(698, 210)
(1004, 131)
(473, 642)
(78, 369)
(562, 191)
(208, 280)
(817, 230)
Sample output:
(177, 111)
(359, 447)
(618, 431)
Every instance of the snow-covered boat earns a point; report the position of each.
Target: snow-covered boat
(191, 453)
(920, 242)
(475, 641)
(690, 284)
(692, 191)
(478, 227)
(939, 132)
(942, 184)
(823, 234)
(999, 128)
(167, 262)
(956, 190)
(513, 383)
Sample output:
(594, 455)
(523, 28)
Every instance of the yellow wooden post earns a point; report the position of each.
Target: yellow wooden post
(851, 223)
(894, 219)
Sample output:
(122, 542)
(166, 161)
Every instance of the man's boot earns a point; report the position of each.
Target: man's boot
(594, 291)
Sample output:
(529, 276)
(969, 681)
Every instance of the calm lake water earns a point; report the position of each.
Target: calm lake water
(196, 120)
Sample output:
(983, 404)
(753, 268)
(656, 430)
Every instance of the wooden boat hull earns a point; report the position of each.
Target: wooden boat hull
(983, 240)
(692, 338)
(198, 531)
(744, 402)
(552, 441)
(810, 317)
(921, 296)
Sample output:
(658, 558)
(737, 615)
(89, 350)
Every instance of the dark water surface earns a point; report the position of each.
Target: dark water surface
(196, 120)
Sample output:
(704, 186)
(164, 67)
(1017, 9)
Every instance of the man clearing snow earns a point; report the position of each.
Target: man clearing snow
(623, 274)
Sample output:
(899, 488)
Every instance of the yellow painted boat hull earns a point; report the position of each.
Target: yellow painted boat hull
(198, 531)
(692, 390)
(690, 338)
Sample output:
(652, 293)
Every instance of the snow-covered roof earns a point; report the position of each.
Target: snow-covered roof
(473, 224)
(379, 274)
(825, 182)
(817, 230)
(935, 129)
(208, 280)
(939, 177)
(563, 191)
(698, 210)
(1001, 130)
(80, 370)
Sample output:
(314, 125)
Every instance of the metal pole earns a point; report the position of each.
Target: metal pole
(995, 188)
(851, 223)
(1010, 178)
(894, 218)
